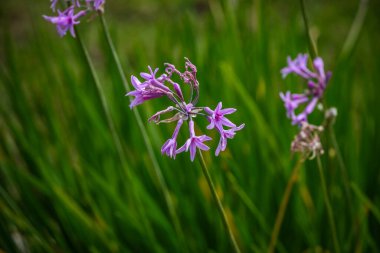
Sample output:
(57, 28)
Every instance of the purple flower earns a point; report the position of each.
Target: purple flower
(151, 79)
(154, 87)
(298, 66)
(217, 119)
(53, 4)
(98, 4)
(66, 20)
(316, 85)
(292, 101)
(194, 142)
(170, 146)
(144, 91)
(224, 135)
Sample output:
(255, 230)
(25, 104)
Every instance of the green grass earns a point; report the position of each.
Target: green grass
(63, 187)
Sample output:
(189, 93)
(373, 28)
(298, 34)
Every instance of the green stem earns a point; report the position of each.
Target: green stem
(284, 204)
(343, 168)
(111, 125)
(148, 144)
(355, 29)
(103, 100)
(219, 203)
(328, 206)
(312, 46)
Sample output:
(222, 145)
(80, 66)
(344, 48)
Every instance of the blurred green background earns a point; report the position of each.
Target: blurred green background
(63, 187)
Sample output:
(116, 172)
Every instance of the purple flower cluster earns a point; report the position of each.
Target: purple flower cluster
(163, 86)
(67, 19)
(316, 84)
(307, 141)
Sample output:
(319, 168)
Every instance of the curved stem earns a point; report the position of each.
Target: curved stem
(284, 204)
(328, 206)
(219, 203)
(157, 169)
(312, 46)
(112, 128)
(103, 100)
(355, 29)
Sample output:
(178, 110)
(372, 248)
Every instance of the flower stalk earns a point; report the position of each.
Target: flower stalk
(328, 206)
(112, 128)
(312, 47)
(219, 203)
(148, 144)
(283, 206)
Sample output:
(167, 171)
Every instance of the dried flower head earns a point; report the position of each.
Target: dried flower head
(307, 141)
(157, 86)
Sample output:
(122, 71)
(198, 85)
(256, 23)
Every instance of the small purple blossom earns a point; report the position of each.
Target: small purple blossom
(98, 4)
(316, 84)
(224, 135)
(170, 146)
(53, 4)
(154, 87)
(217, 119)
(194, 142)
(144, 91)
(66, 20)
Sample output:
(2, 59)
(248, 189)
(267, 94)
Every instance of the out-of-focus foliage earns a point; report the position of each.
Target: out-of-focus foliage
(64, 189)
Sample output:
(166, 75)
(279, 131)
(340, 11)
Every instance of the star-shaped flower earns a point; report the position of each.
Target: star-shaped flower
(194, 142)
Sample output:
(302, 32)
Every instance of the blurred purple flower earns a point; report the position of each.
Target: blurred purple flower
(194, 142)
(298, 66)
(98, 4)
(66, 20)
(53, 4)
(316, 85)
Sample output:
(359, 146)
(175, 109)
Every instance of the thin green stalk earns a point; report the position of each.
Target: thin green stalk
(312, 46)
(343, 168)
(328, 206)
(284, 204)
(148, 144)
(111, 125)
(355, 29)
(103, 100)
(219, 203)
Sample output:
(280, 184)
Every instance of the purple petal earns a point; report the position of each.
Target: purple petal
(135, 82)
(227, 111)
(227, 122)
(202, 146)
(310, 107)
(146, 76)
(319, 66)
(193, 151)
(218, 107)
(183, 148)
(211, 125)
(209, 111)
